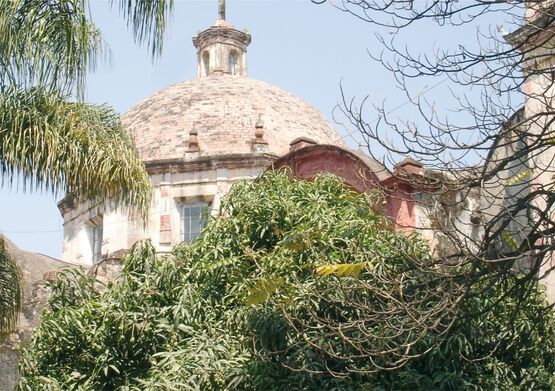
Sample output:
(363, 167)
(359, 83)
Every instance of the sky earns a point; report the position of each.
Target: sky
(313, 51)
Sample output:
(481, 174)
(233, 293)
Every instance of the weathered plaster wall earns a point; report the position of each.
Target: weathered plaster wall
(78, 226)
(173, 186)
(539, 91)
(445, 219)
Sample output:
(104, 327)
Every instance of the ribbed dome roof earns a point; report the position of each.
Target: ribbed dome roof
(223, 109)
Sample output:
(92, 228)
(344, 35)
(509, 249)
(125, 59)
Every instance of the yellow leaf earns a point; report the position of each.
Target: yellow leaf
(342, 269)
(508, 238)
(518, 177)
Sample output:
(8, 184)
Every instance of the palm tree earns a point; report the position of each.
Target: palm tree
(48, 135)
(10, 290)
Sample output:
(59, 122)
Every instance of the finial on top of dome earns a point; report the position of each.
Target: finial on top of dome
(221, 9)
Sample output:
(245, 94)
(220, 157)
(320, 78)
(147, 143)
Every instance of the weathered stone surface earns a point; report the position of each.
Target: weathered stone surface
(221, 48)
(223, 109)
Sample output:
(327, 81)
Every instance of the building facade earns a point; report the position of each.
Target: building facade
(196, 138)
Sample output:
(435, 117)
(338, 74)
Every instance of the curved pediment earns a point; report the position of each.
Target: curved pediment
(362, 173)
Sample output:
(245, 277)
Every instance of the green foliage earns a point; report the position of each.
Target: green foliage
(268, 298)
(342, 269)
(10, 290)
(47, 47)
(47, 43)
(54, 143)
(54, 43)
(510, 346)
(147, 19)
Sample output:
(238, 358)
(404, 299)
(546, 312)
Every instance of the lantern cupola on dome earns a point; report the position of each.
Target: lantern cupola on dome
(221, 48)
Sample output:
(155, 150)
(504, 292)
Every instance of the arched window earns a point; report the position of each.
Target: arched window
(232, 63)
(206, 63)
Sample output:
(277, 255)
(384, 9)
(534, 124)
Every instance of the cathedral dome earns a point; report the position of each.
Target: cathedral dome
(222, 110)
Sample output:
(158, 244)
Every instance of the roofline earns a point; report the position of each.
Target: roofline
(380, 172)
(209, 162)
(532, 27)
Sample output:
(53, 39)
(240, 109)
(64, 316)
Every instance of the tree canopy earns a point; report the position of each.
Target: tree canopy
(294, 285)
(491, 132)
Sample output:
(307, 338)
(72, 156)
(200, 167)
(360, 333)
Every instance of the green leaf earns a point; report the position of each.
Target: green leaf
(10, 290)
(262, 289)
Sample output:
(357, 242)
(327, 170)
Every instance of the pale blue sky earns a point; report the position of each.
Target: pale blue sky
(301, 47)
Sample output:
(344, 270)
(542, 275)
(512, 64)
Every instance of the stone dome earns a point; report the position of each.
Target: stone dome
(223, 110)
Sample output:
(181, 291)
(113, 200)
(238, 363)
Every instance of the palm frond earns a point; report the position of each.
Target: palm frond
(148, 20)
(59, 145)
(47, 42)
(10, 290)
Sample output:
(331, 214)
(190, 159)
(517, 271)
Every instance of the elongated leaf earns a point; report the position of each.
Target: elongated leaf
(510, 240)
(260, 292)
(59, 145)
(47, 42)
(148, 20)
(341, 269)
(518, 177)
(10, 290)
